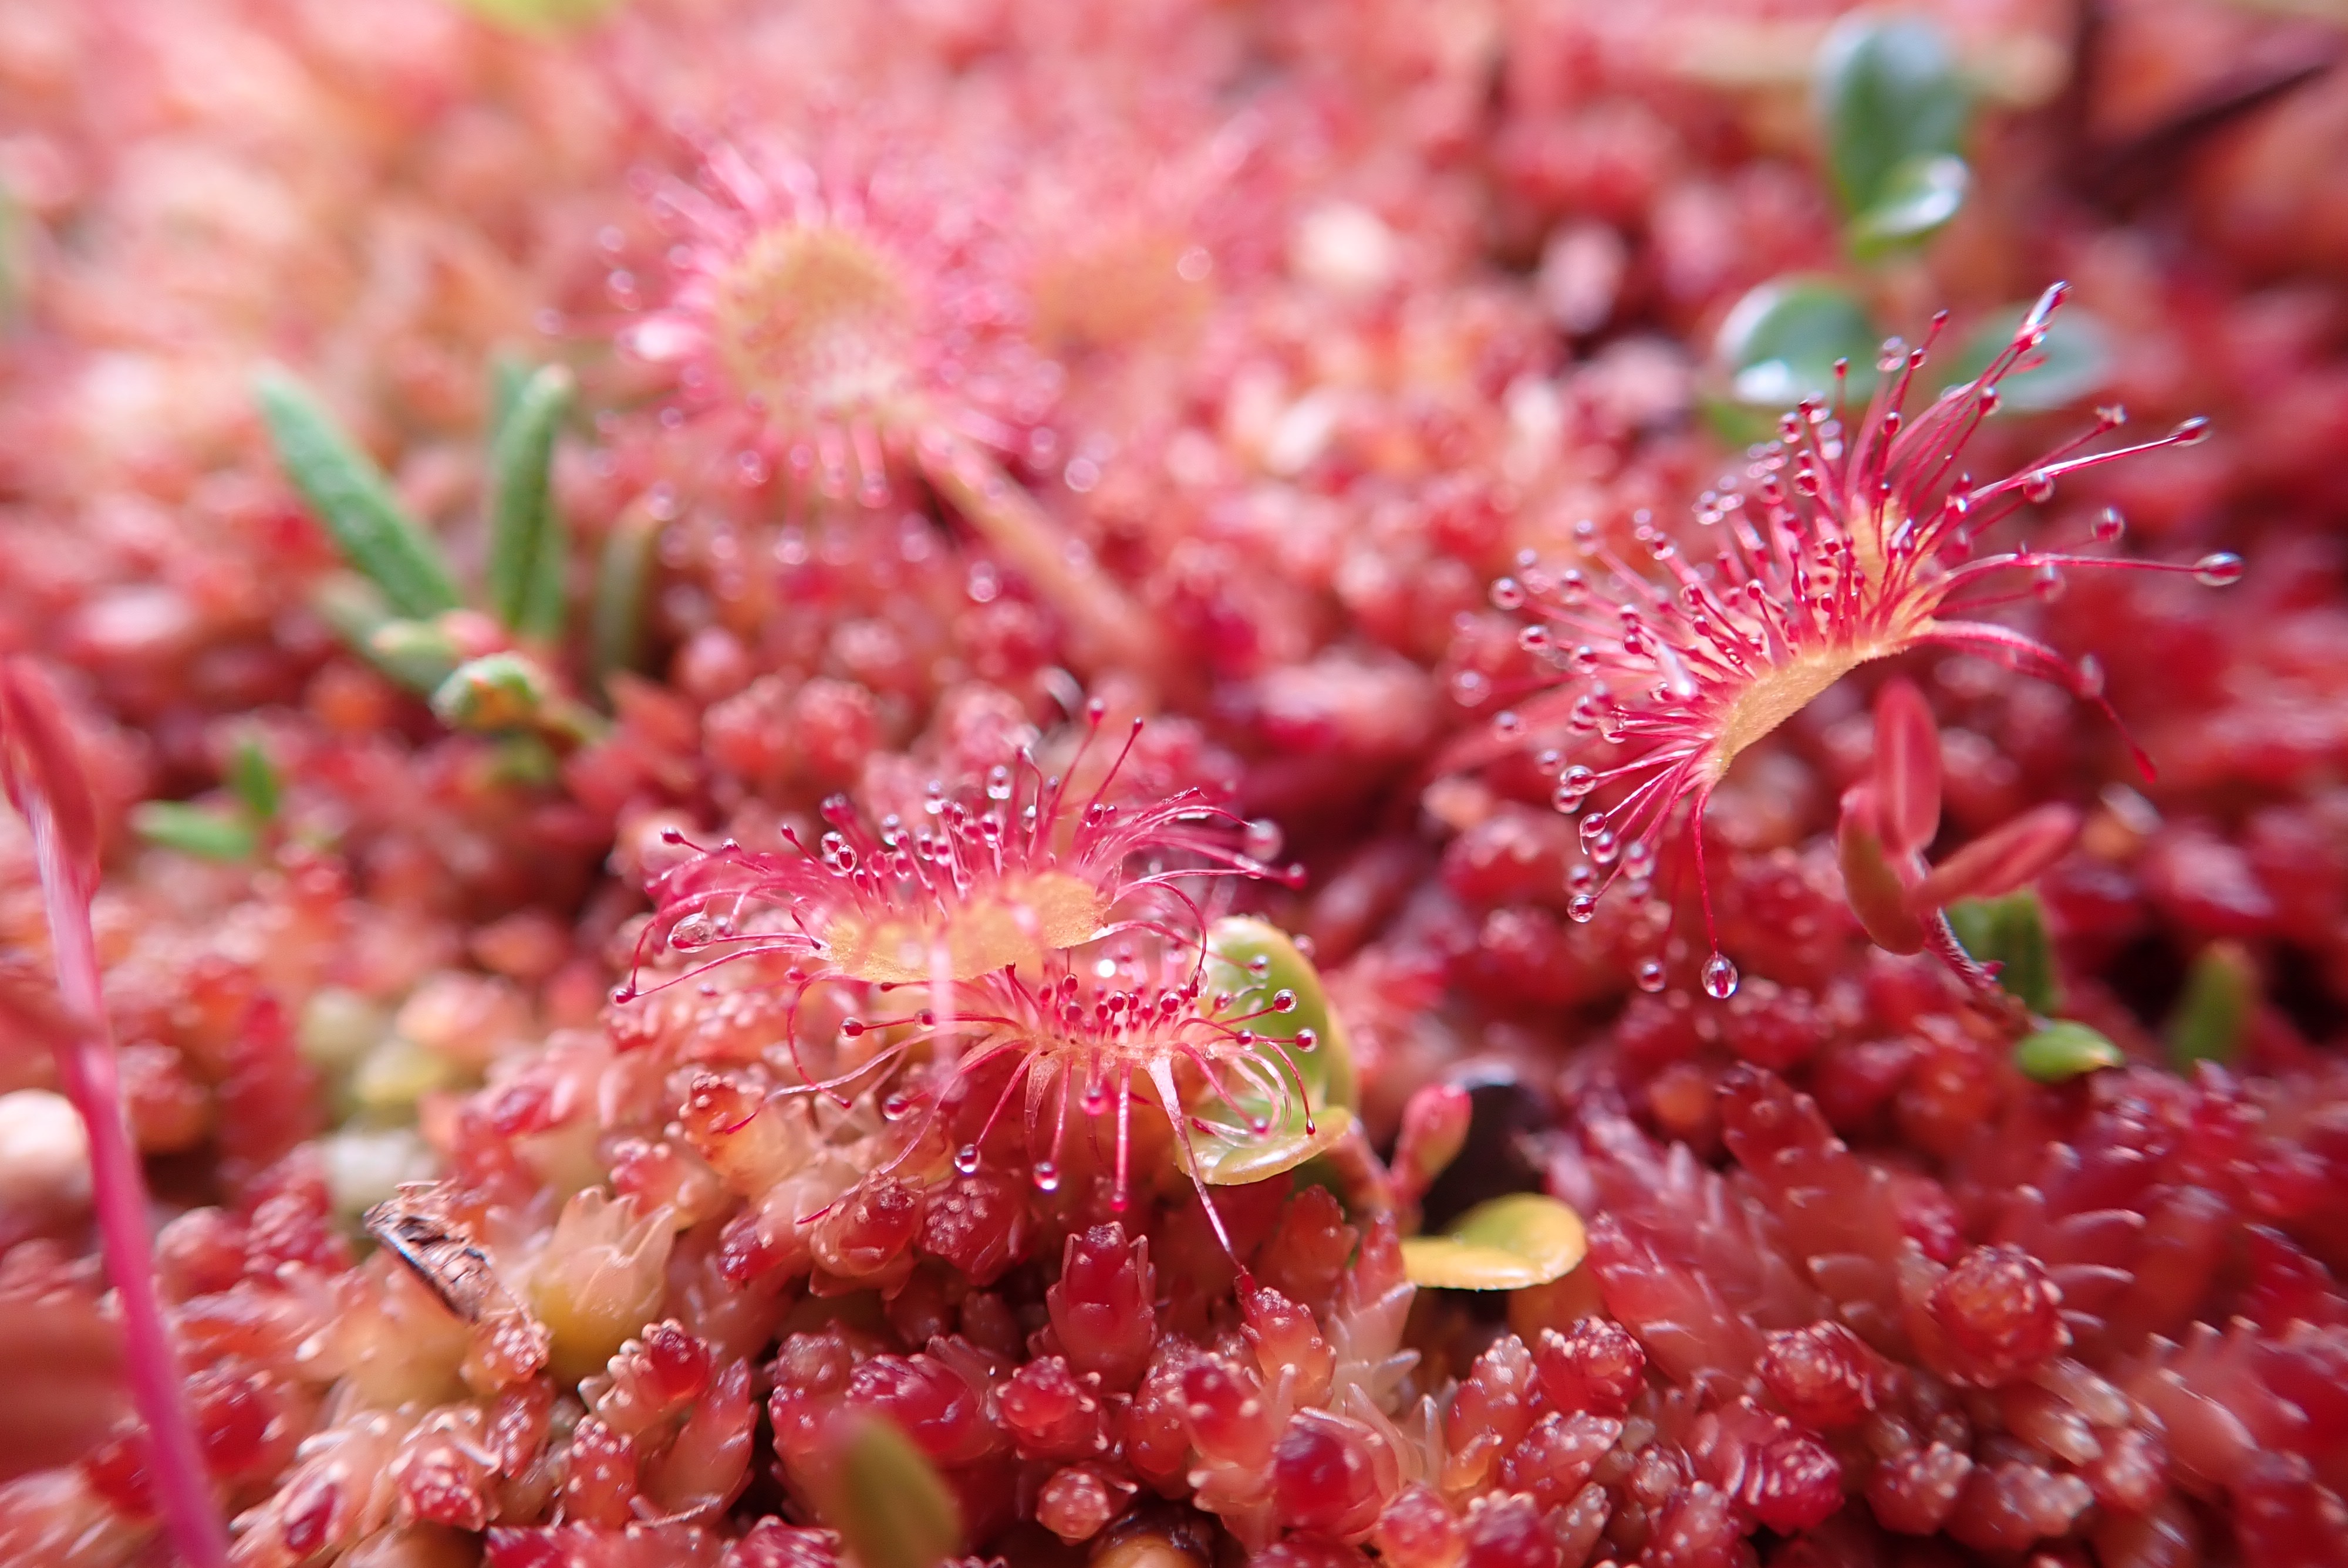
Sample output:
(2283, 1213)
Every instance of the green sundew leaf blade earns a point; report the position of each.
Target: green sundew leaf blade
(1887, 91)
(2064, 1050)
(2072, 362)
(2011, 932)
(2213, 1016)
(353, 499)
(1511, 1243)
(1780, 343)
(526, 541)
(1919, 195)
(194, 830)
(253, 778)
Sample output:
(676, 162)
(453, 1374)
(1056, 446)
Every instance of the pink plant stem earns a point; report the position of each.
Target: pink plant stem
(86, 1065)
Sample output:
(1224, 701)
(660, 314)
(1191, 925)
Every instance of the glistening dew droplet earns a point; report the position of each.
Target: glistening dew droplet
(2220, 570)
(1719, 978)
(1651, 976)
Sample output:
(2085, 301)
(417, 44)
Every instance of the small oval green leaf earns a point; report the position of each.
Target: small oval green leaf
(1888, 91)
(1780, 343)
(888, 1503)
(1511, 1243)
(1253, 961)
(2213, 1016)
(528, 543)
(504, 690)
(353, 499)
(2072, 363)
(1918, 197)
(194, 830)
(418, 654)
(2063, 1051)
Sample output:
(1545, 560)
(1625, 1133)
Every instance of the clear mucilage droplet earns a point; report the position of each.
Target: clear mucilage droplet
(1651, 976)
(1719, 978)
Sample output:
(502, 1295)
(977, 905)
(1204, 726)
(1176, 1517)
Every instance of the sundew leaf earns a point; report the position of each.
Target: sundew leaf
(1889, 96)
(1511, 1243)
(2065, 1049)
(1918, 197)
(527, 548)
(2073, 362)
(1254, 960)
(2213, 1016)
(194, 830)
(2011, 932)
(1781, 341)
(1258, 1134)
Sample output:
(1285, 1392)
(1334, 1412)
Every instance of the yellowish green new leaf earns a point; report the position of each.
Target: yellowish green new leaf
(1511, 1243)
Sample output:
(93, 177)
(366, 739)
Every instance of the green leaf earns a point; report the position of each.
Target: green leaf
(1509, 1244)
(2063, 1051)
(2213, 1016)
(890, 1506)
(354, 501)
(418, 654)
(194, 830)
(528, 549)
(1253, 963)
(1889, 94)
(2072, 362)
(496, 691)
(1918, 197)
(623, 585)
(541, 16)
(2011, 932)
(252, 777)
(507, 373)
(1780, 343)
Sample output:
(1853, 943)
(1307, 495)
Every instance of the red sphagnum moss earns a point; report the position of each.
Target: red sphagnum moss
(1028, 1135)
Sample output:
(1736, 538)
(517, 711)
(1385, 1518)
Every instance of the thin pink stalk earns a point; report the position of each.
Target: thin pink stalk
(47, 784)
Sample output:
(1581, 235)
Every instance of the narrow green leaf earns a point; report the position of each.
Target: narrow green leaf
(888, 1503)
(2072, 362)
(15, 256)
(353, 499)
(1780, 343)
(1918, 197)
(507, 373)
(2011, 932)
(623, 585)
(541, 16)
(194, 830)
(527, 543)
(1888, 91)
(2213, 1016)
(1511, 1243)
(253, 779)
(416, 653)
(2063, 1051)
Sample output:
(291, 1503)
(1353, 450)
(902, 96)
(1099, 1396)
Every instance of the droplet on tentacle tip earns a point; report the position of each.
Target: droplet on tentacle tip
(1047, 1176)
(2110, 525)
(1651, 976)
(1719, 978)
(2219, 570)
(966, 1159)
(1581, 909)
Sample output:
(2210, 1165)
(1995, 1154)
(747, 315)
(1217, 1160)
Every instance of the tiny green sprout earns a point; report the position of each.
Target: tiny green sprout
(504, 692)
(1511, 1243)
(624, 577)
(886, 1499)
(2213, 1016)
(252, 779)
(2011, 932)
(2063, 1051)
(200, 831)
